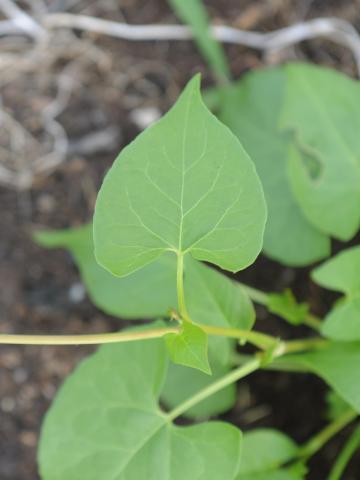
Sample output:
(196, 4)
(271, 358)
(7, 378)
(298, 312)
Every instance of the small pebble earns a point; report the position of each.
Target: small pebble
(143, 117)
(7, 404)
(77, 292)
(20, 375)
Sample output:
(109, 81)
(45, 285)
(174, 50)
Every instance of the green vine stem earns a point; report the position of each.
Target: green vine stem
(93, 339)
(260, 340)
(344, 457)
(294, 346)
(282, 364)
(321, 438)
(223, 382)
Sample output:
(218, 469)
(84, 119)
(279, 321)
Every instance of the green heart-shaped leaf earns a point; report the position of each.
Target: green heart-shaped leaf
(183, 185)
(321, 108)
(105, 423)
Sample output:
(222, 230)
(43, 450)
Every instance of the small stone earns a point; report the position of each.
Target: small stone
(143, 117)
(77, 292)
(20, 375)
(7, 404)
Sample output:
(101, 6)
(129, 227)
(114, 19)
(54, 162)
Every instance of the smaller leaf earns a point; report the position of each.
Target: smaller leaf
(264, 453)
(285, 305)
(321, 106)
(190, 347)
(341, 273)
(337, 364)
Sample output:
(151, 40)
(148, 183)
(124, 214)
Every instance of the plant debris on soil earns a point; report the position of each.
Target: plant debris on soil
(115, 86)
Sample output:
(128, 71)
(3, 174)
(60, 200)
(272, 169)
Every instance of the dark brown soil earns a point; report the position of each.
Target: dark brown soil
(41, 290)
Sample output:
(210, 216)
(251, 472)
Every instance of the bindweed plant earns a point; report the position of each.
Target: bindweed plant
(182, 193)
(185, 192)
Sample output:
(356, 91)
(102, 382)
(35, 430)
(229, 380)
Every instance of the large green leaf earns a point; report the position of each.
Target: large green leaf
(184, 185)
(252, 109)
(106, 423)
(321, 108)
(341, 273)
(338, 364)
(193, 13)
(264, 453)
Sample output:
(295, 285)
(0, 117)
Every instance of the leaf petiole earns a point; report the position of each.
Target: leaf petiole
(223, 382)
(321, 438)
(345, 455)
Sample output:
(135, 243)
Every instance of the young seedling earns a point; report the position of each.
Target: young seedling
(186, 192)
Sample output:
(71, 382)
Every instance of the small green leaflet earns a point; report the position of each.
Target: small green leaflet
(190, 347)
(337, 364)
(105, 423)
(264, 453)
(193, 13)
(342, 273)
(285, 305)
(252, 109)
(321, 108)
(183, 185)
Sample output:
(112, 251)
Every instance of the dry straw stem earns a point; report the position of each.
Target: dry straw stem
(40, 27)
(338, 30)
